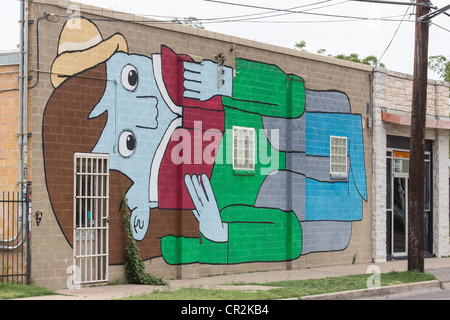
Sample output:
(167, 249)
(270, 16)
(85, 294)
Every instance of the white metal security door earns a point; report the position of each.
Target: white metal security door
(91, 217)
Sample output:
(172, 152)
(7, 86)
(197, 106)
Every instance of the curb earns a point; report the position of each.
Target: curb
(376, 292)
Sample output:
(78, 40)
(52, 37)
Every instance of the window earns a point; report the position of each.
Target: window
(338, 155)
(243, 148)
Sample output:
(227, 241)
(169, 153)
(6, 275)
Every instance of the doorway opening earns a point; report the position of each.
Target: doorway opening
(91, 218)
(397, 177)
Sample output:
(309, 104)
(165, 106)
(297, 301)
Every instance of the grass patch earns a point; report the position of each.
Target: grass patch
(288, 289)
(15, 291)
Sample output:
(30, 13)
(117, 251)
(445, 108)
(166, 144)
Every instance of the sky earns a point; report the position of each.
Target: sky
(320, 24)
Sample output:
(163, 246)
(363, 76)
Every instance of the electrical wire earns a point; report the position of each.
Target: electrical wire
(253, 18)
(396, 3)
(288, 10)
(434, 24)
(256, 16)
(50, 18)
(392, 39)
(222, 20)
(209, 21)
(238, 18)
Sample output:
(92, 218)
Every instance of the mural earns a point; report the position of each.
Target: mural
(168, 124)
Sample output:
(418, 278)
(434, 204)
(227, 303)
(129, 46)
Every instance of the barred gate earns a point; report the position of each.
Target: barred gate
(15, 257)
(91, 218)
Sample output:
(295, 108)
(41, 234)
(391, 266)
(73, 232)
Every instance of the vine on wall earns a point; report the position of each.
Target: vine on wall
(134, 266)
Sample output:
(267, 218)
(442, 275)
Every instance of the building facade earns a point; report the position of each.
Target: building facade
(230, 155)
(9, 121)
(392, 100)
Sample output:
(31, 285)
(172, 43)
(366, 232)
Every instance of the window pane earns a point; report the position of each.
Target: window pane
(244, 146)
(338, 155)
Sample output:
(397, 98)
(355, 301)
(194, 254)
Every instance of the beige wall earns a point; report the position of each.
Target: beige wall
(399, 94)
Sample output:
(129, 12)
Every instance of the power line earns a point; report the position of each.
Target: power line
(289, 13)
(287, 10)
(397, 3)
(255, 16)
(434, 24)
(262, 17)
(392, 39)
(259, 20)
(228, 19)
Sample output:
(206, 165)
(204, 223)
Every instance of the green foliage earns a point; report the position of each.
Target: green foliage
(189, 21)
(285, 289)
(354, 57)
(16, 291)
(441, 65)
(300, 45)
(134, 266)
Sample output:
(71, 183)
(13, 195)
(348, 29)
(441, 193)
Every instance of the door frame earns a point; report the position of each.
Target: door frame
(91, 218)
(390, 174)
(397, 149)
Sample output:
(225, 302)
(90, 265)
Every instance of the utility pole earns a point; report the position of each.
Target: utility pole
(417, 145)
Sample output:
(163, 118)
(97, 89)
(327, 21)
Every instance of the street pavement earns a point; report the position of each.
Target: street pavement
(440, 267)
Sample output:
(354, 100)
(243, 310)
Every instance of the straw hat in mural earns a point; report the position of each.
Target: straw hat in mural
(80, 47)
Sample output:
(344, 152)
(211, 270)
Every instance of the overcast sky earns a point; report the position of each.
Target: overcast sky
(320, 24)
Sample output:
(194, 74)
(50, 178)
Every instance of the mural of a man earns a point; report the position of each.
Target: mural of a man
(147, 103)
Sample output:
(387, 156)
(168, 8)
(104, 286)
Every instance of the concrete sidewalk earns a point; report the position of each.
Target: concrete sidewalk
(440, 267)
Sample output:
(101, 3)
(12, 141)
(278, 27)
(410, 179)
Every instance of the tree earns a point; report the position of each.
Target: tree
(300, 45)
(189, 21)
(441, 65)
(354, 57)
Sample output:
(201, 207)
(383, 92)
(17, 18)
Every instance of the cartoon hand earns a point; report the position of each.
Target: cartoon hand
(207, 212)
(139, 220)
(205, 80)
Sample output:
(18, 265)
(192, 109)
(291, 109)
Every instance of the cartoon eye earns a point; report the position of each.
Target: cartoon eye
(130, 77)
(127, 144)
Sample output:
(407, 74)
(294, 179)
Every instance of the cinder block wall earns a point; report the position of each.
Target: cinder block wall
(338, 91)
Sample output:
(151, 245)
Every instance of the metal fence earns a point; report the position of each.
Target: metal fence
(15, 255)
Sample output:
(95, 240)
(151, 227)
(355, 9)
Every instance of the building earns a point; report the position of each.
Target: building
(231, 155)
(10, 122)
(392, 96)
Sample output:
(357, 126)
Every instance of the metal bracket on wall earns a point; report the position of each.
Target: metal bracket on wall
(234, 54)
(220, 57)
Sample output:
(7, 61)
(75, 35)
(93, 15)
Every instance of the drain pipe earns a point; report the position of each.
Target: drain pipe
(21, 53)
(25, 103)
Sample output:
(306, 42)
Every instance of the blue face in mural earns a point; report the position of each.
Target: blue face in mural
(137, 121)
